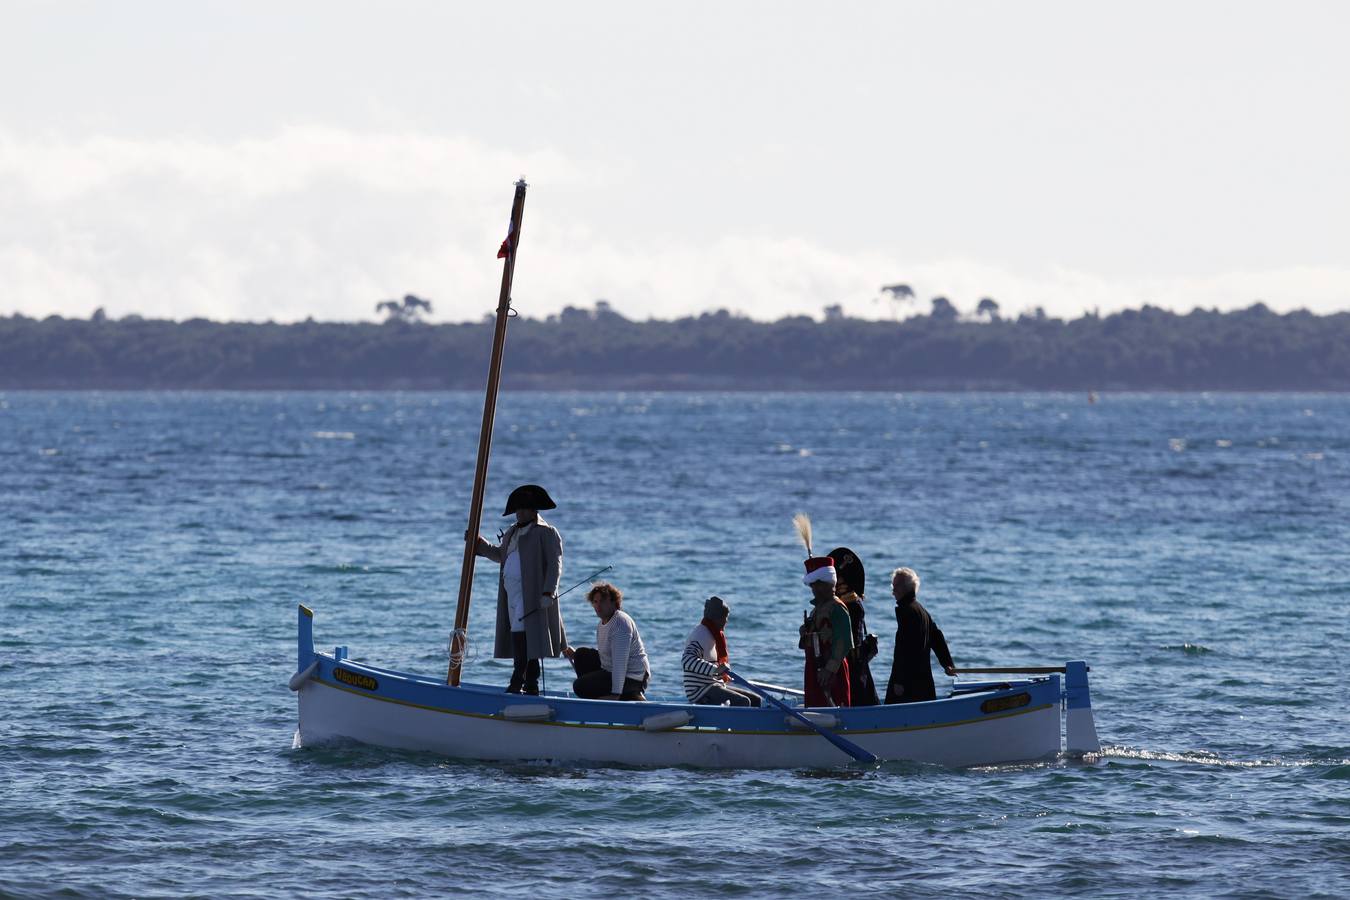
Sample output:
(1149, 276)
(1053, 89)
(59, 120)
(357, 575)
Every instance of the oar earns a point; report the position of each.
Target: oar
(848, 747)
(778, 689)
(572, 588)
(583, 581)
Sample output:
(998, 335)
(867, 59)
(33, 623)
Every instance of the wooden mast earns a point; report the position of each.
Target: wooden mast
(459, 637)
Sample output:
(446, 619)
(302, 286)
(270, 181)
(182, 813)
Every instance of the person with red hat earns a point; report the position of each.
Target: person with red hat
(827, 637)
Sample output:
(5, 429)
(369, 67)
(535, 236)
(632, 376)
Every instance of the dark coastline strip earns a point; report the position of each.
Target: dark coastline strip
(1136, 350)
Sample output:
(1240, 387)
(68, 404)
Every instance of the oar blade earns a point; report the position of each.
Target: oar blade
(852, 749)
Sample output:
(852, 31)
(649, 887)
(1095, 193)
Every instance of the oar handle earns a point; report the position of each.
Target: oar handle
(777, 688)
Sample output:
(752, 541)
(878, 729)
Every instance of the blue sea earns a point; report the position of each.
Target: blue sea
(153, 548)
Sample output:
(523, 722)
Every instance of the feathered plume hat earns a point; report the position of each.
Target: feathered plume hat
(818, 568)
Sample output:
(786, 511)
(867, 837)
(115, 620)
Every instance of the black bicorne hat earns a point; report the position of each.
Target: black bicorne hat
(850, 569)
(528, 496)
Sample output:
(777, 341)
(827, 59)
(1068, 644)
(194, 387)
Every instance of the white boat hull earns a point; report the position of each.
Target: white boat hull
(341, 700)
(329, 713)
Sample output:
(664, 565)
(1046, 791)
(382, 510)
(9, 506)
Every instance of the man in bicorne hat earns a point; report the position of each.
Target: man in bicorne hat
(529, 623)
(827, 637)
(850, 583)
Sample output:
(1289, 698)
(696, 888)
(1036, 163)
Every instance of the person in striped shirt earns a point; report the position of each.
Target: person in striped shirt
(705, 660)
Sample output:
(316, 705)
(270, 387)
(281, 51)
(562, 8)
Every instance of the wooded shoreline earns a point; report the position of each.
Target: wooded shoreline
(1146, 349)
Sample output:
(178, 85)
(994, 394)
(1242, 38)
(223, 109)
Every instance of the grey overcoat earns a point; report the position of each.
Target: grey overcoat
(540, 570)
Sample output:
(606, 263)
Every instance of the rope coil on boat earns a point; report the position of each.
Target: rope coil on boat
(457, 660)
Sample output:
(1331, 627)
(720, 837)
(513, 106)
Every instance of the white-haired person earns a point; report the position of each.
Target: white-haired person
(917, 636)
(705, 660)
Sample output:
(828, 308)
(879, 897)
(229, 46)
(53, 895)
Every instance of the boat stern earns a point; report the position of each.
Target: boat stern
(1080, 730)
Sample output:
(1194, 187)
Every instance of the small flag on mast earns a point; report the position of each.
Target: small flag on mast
(505, 251)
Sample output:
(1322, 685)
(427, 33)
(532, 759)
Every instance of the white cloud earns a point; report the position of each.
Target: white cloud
(56, 170)
(324, 222)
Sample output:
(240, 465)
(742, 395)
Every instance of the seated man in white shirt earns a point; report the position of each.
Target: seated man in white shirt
(623, 672)
(705, 660)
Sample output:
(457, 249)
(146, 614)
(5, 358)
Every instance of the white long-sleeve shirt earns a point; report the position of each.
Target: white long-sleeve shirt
(621, 650)
(512, 580)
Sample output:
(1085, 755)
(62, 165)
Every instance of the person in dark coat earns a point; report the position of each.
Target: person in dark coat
(849, 586)
(916, 637)
(529, 623)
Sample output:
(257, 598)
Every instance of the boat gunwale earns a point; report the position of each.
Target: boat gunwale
(328, 662)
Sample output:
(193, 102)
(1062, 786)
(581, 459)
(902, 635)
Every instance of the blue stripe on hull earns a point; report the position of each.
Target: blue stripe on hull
(488, 702)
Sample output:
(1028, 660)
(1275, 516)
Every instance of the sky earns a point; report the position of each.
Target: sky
(285, 160)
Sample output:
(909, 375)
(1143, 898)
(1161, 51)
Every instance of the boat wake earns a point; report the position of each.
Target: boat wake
(1207, 758)
(1189, 649)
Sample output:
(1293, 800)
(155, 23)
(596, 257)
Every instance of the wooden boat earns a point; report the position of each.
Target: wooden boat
(982, 723)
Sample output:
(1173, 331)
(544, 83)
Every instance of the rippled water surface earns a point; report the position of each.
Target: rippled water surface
(153, 548)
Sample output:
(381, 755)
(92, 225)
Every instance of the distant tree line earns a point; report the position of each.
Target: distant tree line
(1144, 349)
